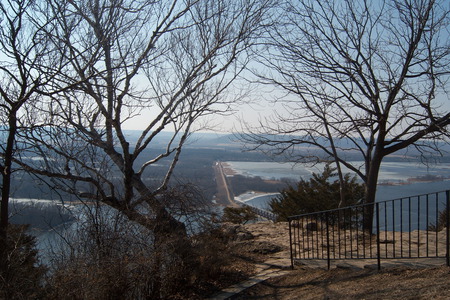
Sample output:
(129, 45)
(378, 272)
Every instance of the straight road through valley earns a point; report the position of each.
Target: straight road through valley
(224, 196)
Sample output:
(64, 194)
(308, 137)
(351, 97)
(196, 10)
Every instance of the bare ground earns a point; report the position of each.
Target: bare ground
(392, 282)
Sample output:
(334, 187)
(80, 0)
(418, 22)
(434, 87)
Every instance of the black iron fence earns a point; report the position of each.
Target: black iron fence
(411, 227)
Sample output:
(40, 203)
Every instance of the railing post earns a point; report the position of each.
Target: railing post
(377, 211)
(328, 239)
(448, 225)
(290, 243)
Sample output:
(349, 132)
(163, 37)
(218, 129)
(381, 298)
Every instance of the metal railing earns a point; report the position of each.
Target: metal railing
(411, 227)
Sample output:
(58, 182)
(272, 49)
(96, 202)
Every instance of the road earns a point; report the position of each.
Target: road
(223, 196)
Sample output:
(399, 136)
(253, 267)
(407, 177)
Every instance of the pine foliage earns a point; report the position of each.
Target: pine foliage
(320, 193)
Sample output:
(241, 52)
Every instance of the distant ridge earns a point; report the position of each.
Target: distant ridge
(196, 140)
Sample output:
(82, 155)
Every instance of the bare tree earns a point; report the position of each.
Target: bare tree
(361, 80)
(173, 60)
(22, 74)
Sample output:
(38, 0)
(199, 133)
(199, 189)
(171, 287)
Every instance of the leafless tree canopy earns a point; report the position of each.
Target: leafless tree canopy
(118, 60)
(365, 78)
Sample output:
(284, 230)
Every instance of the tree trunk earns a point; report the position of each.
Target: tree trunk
(370, 192)
(6, 188)
(338, 163)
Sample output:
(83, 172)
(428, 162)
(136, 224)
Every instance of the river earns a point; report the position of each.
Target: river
(395, 179)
